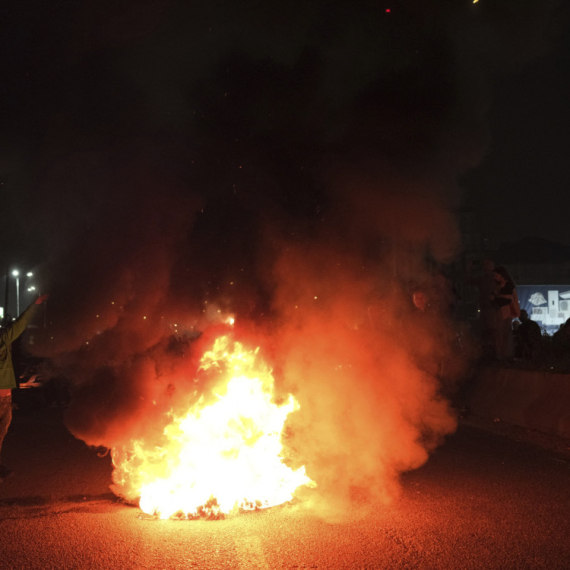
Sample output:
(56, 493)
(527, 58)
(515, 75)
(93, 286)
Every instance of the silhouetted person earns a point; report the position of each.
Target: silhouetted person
(561, 341)
(528, 337)
(443, 294)
(424, 334)
(505, 301)
(7, 377)
(486, 286)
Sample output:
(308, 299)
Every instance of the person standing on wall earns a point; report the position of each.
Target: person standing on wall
(506, 302)
(488, 314)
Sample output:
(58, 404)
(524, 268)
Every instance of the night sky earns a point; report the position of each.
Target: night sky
(521, 187)
(261, 115)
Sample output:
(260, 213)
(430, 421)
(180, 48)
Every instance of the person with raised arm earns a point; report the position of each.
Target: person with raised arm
(8, 335)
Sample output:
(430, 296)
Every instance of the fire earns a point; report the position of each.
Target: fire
(221, 455)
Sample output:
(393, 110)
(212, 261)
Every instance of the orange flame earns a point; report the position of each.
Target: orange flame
(222, 456)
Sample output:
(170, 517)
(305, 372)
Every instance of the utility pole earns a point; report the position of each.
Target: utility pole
(6, 291)
(16, 274)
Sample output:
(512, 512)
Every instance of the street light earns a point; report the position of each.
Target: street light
(16, 274)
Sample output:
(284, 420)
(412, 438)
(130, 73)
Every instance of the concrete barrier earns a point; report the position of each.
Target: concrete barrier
(532, 399)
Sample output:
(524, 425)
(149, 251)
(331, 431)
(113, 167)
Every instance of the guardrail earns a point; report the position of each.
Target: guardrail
(535, 400)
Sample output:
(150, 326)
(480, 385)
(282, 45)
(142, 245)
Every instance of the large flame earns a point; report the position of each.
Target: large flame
(220, 456)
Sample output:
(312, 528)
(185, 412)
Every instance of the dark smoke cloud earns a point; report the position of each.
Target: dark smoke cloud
(294, 166)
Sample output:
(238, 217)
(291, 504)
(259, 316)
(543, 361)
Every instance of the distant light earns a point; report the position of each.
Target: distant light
(29, 274)
(475, 1)
(15, 273)
(387, 10)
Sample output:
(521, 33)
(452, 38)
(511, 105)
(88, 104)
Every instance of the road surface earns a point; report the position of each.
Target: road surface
(482, 501)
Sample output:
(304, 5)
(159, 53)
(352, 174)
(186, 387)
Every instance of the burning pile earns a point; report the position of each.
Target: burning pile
(225, 453)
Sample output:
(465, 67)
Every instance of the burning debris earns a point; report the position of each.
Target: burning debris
(224, 454)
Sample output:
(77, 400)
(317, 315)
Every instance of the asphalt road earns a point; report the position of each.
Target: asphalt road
(482, 501)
